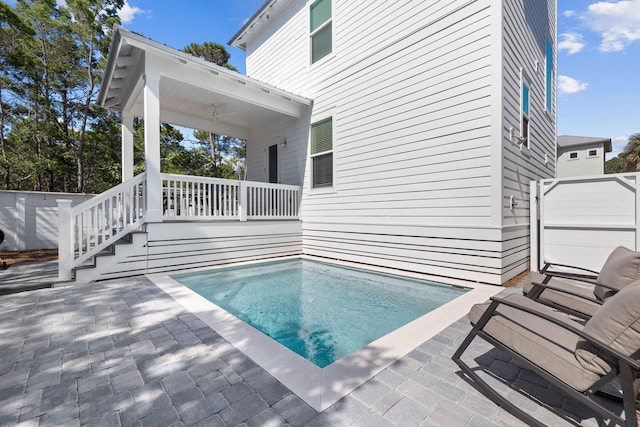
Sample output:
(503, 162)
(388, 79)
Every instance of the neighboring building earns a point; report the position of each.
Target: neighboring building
(580, 155)
(413, 129)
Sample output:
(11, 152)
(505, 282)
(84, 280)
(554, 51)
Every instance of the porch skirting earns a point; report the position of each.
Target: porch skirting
(175, 246)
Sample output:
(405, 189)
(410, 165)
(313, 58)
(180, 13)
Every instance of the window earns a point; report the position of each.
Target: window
(593, 153)
(322, 153)
(321, 31)
(524, 110)
(549, 76)
(573, 155)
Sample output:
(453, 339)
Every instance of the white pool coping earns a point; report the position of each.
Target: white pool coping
(322, 387)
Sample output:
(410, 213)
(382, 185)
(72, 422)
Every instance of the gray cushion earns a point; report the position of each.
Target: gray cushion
(562, 300)
(616, 324)
(620, 269)
(543, 343)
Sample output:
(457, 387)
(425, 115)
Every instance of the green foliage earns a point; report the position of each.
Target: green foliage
(53, 137)
(50, 73)
(628, 160)
(211, 52)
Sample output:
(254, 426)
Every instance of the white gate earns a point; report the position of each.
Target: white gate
(579, 221)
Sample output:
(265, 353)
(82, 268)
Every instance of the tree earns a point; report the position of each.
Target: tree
(628, 160)
(12, 31)
(219, 147)
(211, 52)
(50, 78)
(93, 21)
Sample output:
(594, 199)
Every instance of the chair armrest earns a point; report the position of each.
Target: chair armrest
(589, 273)
(566, 291)
(632, 363)
(579, 279)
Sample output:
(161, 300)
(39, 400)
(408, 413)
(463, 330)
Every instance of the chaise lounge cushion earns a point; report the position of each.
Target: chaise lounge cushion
(616, 324)
(560, 299)
(543, 343)
(619, 270)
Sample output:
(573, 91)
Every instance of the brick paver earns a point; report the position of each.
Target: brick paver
(122, 352)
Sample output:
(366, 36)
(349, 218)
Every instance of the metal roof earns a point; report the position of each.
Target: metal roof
(564, 141)
(267, 12)
(193, 92)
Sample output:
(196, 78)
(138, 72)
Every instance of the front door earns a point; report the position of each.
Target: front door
(273, 164)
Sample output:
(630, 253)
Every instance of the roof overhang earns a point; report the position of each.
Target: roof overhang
(193, 93)
(259, 20)
(569, 141)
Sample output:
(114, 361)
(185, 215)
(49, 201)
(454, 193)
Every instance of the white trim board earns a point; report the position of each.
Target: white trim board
(322, 387)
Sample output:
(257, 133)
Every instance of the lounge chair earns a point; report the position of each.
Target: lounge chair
(578, 359)
(621, 268)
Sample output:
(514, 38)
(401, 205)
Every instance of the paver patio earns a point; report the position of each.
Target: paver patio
(122, 352)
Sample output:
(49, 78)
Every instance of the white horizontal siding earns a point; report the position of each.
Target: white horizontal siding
(413, 89)
(527, 26)
(582, 166)
(173, 246)
(476, 254)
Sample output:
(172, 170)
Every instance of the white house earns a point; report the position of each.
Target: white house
(581, 155)
(408, 132)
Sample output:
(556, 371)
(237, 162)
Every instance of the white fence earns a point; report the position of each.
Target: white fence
(579, 221)
(29, 219)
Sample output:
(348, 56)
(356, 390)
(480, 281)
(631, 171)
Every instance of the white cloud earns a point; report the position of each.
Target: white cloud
(617, 22)
(128, 13)
(569, 85)
(569, 13)
(571, 42)
(617, 145)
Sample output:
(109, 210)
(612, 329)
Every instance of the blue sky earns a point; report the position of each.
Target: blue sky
(598, 54)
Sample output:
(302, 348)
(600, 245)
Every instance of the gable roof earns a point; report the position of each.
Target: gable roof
(267, 11)
(194, 93)
(565, 141)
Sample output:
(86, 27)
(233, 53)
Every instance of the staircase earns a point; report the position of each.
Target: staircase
(122, 258)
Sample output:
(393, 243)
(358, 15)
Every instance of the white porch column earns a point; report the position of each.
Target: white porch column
(65, 240)
(152, 144)
(127, 146)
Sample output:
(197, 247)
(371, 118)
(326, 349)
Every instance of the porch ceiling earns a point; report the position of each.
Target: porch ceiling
(193, 93)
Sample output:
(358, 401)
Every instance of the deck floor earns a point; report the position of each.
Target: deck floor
(122, 352)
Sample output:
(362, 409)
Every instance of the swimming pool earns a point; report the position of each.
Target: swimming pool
(320, 311)
(322, 387)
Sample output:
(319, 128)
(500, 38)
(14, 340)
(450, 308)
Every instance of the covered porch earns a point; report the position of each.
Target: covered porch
(145, 79)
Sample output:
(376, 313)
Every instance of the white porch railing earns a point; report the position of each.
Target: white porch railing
(90, 227)
(197, 198)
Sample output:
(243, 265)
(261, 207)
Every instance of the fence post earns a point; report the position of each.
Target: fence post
(534, 230)
(65, 240)
(21, 224)
(243, 200)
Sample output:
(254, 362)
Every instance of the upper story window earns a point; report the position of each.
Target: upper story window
(321, 31)
(593, 153)
(322, 153)
(524, 109)
(549, 76)
(573, 155)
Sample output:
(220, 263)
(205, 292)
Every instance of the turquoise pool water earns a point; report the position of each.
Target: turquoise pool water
(321, 311)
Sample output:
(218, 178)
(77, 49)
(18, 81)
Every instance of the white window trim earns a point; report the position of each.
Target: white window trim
(589, 155)
(524, 78)
(318, 117)
(577, 157)
(331, 20)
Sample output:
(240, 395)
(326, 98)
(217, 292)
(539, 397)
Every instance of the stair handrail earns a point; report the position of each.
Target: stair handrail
(91, 226)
